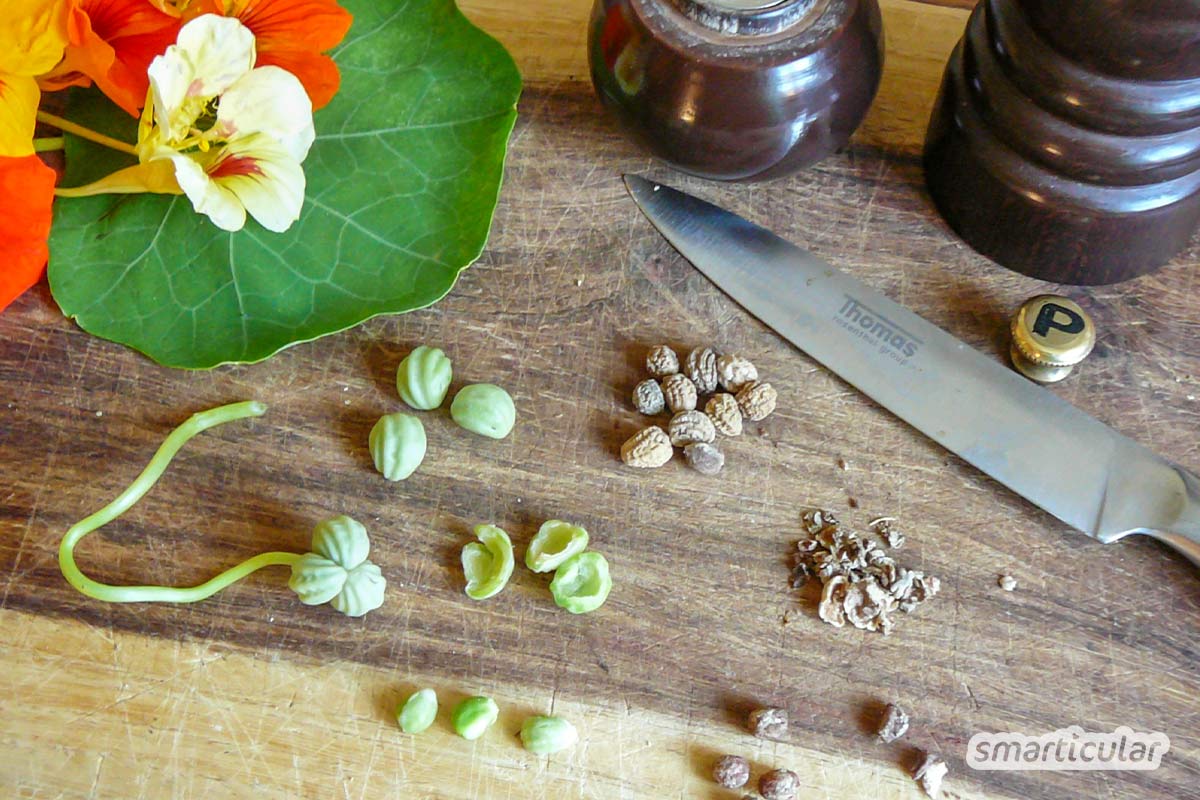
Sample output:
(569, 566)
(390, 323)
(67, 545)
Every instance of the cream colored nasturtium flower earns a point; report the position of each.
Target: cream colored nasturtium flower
(235, 135)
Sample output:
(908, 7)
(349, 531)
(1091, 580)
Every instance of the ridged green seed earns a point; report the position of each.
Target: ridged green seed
(488, 563)
(582, 583)
(546, 735)
(397, 444)
(418, 712)
(423, 378)
(473, 716)
(555, 542)
(338, 572)
(484, 408)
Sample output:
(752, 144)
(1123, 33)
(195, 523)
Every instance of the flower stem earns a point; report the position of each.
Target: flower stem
(85, 133)
(136, 490)
(46, 144)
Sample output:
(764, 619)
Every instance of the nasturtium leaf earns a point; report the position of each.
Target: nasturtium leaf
(402, 184)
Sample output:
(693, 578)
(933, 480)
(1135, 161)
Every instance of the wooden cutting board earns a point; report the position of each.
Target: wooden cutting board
(251, 694)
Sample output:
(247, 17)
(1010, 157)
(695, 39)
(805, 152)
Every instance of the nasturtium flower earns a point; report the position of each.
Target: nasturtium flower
(26, 194)
(291, 34)
(112, 43)
(235, 134)
(33, 34)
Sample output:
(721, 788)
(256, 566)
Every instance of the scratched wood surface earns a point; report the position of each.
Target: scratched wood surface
(252, 695)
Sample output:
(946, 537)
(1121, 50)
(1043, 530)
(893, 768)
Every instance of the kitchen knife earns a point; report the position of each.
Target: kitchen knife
(1044, 449)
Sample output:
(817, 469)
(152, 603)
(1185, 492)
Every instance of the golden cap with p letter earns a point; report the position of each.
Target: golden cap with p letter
(1050, 335)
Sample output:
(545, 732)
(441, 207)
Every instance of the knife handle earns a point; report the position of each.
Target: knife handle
(1184, 533)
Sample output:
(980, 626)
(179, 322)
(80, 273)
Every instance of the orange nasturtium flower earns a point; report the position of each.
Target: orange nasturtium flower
(112, 43)
(33, 34)
(26, 192)
(291, 34)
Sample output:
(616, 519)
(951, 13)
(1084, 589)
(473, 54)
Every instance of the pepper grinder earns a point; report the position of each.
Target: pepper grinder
(1065, 141)
(737, 89)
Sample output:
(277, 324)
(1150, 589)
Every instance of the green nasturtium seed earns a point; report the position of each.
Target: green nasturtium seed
(484, 408)
(488, 563)
(546, 735)
(397, 444)
(473, 716)
(337, 571)
(423, 378)
(418, 712)
(582, 583)
(555, 542)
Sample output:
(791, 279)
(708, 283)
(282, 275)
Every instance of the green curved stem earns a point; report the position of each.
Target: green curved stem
(153, 471)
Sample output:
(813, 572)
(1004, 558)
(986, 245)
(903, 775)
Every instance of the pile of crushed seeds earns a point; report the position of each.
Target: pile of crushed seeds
(862, 584)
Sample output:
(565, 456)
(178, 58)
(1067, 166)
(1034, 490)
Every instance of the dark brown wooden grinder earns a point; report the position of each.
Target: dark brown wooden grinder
(1065, 141)
(737, 89)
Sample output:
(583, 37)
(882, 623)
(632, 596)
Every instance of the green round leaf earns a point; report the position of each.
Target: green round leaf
(402, 183)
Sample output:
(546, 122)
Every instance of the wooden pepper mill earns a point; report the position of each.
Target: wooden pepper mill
(1065, 141)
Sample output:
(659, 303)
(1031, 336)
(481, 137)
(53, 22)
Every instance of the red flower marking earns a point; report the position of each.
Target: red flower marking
(232, 166)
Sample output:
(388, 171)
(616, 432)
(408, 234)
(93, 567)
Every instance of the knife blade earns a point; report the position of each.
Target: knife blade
(1027, 438)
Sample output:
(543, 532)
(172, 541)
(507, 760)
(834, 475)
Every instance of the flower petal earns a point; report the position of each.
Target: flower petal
(292, 34)
(211, 53)
(33, 34)
(26, 194)
(269, 100)
(18, 111)
(113, 43)
(208, 197)
(264, 177)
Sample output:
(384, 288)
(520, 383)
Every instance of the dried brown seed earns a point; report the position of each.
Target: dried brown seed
(734, 372)
(894, 723)
(704, 458)
(689, 427)
(648, 448)
(661, 361)
(679, 392)
(1007, 582)
(930, 773)
(884, 528)
(831, 609)
(648, 397)
(701, 367)
(732, 772)
(725, 414)
(868, 605)
(768, 723)
(757, 400)
(779, 784)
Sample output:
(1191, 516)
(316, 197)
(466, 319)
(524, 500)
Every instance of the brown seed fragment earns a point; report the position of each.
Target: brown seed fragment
(648, 448)
(732, 772)
(648, 397)
(725, 414)
(884, 529)
(679, 392)
(779, 784)
(701, 367)
(757, 400)
(930, 773)
(894, 723)
(1007, 582)
(661, 361)
(734, 372)
(704, 458)
(768, 723)
(689, 427)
